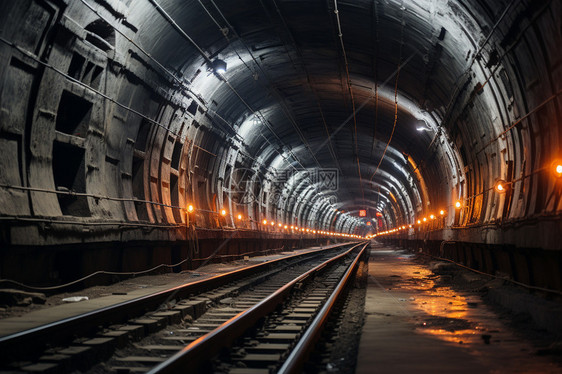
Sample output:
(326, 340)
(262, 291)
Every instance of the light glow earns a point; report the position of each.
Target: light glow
(500, 186)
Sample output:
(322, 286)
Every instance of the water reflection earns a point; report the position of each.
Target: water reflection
(446, 312)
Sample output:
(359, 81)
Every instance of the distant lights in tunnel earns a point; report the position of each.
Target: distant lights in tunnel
(223, 212)
(458, 204)
(285, 227)
(264, 222)
(432, 216)
(442, 212)
(279, 224)
(190, 208)
(424, 219)
(240, 216)
(272, 223)
(419, 221)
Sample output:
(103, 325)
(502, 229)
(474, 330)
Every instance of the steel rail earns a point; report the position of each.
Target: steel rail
(194, 355)
(35, 339)
(301, 351)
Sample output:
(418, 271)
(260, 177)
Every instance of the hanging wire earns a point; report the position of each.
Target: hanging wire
(376, 73)
(474, 57)
(264, 73)
(280, 99)
(395, 98)
(340, 35)
(310, 85)
(177, 27)
(257, 114)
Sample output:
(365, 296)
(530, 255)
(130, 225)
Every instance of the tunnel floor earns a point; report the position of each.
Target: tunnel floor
(420, 321)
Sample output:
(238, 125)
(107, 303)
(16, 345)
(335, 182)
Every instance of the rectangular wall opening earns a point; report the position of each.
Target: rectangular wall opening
(176, 155)
(142, 136)
(76, 64)
(69, 172)
(174, 195)
(73, 115)
(138, 188)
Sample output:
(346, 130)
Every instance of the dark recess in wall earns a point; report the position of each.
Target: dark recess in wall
(69, 173)
(73, 115)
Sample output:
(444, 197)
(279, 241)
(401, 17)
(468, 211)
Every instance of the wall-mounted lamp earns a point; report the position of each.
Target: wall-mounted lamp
(219, 66)
(264, 222)
(500, 186)
(458, 204)
(240, 216)
(223, 212)
(190, 208)
(442, 212)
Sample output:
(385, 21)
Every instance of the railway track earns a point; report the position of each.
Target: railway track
(257, 314)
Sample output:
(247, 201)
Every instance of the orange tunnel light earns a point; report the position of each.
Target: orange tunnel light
(558, 169)
(500, 186)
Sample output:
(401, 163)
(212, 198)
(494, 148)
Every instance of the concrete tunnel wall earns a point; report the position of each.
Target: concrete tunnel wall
(112, 121)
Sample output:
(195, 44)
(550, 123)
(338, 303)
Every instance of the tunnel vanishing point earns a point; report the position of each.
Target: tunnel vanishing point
(142, 132)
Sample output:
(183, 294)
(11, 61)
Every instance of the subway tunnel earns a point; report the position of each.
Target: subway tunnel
(135, 133)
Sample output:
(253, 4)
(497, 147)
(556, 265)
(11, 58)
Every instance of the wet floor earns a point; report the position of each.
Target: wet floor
(415, 323)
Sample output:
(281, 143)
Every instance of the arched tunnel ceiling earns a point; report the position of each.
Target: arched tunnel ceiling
(412, 104)
(335, 100)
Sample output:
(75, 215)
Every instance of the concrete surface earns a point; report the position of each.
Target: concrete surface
(35, 318)
(413, 325)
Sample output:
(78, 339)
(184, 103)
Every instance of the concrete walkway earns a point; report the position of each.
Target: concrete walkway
(413, 327)
(36, 318)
